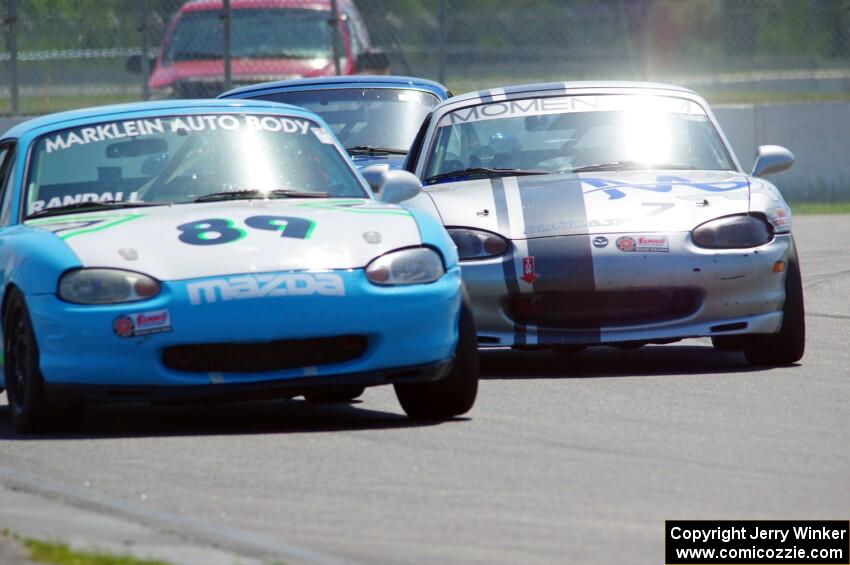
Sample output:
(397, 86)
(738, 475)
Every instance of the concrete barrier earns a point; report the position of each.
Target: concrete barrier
(818, 133)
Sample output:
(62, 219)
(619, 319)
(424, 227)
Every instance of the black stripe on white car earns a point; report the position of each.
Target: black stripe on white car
(563, 264)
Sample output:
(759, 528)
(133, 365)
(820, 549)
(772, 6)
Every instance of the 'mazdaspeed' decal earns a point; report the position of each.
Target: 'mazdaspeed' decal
(262, 286)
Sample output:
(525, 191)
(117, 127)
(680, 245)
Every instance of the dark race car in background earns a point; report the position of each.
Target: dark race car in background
(611, 214)
(375, 117)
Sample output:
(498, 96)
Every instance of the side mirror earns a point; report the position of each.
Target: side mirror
(772, 159)
(399, 186)
(374, 175)
(134, 64)
(373, 61)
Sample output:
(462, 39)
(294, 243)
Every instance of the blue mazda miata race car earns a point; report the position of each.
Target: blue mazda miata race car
(186, 250)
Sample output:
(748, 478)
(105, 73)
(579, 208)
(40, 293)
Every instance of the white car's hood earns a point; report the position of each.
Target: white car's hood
(592, 203)
(164, 241)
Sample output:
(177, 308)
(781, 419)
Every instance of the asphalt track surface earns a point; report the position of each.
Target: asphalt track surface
(563, 459)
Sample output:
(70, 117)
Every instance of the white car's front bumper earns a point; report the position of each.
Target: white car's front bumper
(581, 293)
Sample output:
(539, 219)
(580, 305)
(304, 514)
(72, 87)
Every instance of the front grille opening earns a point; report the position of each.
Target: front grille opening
(402, 375)
(590, 309)
(264, 356)
(128, 392)
(489, 340)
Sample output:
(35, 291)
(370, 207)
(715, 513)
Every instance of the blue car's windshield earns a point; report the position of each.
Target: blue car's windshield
(183, 159)
(578, 133)
(254, 34)
(378, 117)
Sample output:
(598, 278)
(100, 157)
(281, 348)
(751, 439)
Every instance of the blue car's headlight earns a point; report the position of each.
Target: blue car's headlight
(417, 265)
(106, 286)
(733, 232)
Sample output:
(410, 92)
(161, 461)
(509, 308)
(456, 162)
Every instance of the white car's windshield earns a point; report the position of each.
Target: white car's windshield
(578, 133)
(179, 159)
(254, 34)
(382, 118)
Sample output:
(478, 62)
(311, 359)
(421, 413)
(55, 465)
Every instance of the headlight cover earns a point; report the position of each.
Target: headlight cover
(417, 265)
(733, 232)
(106, 286)
(477, 244)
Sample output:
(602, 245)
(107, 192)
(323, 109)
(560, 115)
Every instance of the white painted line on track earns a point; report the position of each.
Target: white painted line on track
(239, 541)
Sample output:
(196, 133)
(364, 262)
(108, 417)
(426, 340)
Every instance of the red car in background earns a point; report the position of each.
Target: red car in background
(269, 40)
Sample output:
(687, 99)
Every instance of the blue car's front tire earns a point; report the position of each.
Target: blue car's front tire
(24, 385)
(28, 406)
(454, 394)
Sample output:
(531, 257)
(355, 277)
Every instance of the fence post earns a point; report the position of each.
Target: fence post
(334, 22)
(11, 22)
(146, 71)
(441, 19)
(226, 17)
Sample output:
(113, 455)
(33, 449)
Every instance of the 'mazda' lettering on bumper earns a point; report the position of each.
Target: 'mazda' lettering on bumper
(262, 286)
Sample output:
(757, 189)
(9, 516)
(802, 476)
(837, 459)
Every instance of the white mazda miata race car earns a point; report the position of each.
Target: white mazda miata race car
(611, 214)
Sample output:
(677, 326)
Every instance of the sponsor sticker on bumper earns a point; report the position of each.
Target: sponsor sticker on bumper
(142, 323)
(644, 244)
(652, 244)
(600, 241)
(779, 217)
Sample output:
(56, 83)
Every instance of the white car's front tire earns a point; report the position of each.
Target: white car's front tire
(788, 345)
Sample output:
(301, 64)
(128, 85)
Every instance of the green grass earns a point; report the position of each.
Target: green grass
(752, 93)
(761, 97)
(31, 105)
(61, 554)
(47, 103)
(820, 207)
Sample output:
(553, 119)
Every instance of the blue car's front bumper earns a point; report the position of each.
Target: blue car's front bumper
(410, 333)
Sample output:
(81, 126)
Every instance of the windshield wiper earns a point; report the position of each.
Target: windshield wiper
(194, 55)
(286, 193)
(258, 195)
(484, 171)
(230, 195)
(632, 166)
(372, 150)
(276, 55)
(93, 207)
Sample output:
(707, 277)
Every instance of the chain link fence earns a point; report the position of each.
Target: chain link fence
(60, 54)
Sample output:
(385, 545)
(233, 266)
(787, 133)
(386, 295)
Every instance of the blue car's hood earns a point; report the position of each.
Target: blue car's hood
(165, 242)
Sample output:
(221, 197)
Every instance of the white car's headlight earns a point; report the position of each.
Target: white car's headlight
(733, 232)
(417, 265)
(477, 244)
(106, 286)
